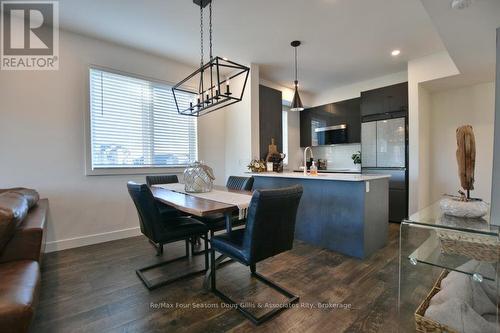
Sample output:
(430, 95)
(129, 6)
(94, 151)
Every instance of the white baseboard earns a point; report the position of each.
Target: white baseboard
(70, 243)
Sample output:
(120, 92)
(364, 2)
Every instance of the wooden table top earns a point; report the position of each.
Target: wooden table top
(193, 205)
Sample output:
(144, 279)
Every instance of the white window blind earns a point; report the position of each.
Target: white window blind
(134, 123)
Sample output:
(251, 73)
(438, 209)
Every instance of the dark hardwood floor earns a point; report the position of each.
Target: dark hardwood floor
(95, 289)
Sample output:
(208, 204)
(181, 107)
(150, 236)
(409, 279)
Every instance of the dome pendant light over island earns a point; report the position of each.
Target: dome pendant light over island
(296, 102)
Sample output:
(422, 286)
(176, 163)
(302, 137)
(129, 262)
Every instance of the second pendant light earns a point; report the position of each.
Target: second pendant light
(296, 102)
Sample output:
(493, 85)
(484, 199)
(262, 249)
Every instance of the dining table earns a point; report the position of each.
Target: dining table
(201, 207)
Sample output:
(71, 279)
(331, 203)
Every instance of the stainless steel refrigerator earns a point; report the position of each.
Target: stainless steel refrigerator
(384, 150)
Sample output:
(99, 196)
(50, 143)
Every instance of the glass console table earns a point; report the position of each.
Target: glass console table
(432, 246)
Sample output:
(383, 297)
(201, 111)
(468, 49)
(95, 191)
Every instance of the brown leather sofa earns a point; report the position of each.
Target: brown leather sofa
(23, 220)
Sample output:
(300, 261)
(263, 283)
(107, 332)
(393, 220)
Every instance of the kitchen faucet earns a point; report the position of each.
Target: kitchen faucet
(305, 156)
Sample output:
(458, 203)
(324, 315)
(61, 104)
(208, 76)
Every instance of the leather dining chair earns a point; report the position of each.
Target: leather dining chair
(217, 222)
(239, 183)
(161, 179)
(161, 229)
(164, 179)
(269, 231)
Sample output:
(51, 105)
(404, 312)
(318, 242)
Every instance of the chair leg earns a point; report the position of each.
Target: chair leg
(253, 268)
(206, 252)
(256, 320)
(187, 247)
(213, 268)
(158, 247)
(193, 241)
(151, 286)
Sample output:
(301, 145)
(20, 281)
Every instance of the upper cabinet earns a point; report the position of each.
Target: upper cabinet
(317, 123)
(270, 119)
(383, 100)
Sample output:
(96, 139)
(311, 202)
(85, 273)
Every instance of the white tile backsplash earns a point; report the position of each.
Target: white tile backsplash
(337, 156)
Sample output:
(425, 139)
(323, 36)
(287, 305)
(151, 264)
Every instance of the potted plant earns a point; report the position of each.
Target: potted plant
(257, 166)
(356, 159)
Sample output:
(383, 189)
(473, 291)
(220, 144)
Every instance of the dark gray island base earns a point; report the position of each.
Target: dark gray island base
(344, 213)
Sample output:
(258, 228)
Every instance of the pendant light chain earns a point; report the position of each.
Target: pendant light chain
(296, 67)
(210, 26)
(212, 94)
(201, 35)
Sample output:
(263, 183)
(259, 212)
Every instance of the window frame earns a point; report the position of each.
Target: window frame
(114, 171)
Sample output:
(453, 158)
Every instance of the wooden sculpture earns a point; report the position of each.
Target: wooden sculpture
(466, 159)
(464, 206)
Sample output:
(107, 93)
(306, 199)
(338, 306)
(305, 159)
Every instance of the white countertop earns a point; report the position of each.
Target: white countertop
(351, 177)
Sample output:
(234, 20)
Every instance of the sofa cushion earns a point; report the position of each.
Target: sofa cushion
(13, 210)
(19, 287)
(31, 195)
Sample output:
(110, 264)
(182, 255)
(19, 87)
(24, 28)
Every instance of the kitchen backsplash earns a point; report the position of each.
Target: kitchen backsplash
(337, 156)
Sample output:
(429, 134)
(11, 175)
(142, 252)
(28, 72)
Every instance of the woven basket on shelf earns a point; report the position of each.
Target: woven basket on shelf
(427, 325)
(478, 247)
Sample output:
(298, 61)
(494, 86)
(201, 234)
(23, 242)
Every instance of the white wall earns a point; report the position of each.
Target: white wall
(212, 142)
(424, 147)
(473, 105)
(421, 70)
(495, 196)
(42, 140)
(242, 129)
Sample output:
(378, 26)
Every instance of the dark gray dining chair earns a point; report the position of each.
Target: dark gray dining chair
(269, 231)
(164, 179)
(161, 229)
(161, 179)
(240, 183)
(216, 222)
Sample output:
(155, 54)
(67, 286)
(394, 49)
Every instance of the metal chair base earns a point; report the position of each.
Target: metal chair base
(265, 317)
(152, 286)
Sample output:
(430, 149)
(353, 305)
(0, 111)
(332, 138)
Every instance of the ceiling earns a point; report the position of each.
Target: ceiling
(469, 35)
(344, 41)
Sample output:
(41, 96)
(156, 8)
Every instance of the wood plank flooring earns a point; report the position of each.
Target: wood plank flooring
(95, 289)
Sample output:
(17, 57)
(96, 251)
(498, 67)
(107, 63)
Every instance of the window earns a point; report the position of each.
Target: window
(285, 132)
(134, 124)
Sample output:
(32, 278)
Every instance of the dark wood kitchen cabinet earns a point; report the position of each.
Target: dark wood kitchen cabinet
(340, 113)
(270, 119)
(383, 100)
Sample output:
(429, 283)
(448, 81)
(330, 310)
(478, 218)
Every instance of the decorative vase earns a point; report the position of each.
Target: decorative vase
(198, 178)
(456, 206)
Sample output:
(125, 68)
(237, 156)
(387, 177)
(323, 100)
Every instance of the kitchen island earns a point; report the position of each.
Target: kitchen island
(346, 213)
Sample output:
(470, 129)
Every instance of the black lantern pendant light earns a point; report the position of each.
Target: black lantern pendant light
(296, 102)
(208, 88)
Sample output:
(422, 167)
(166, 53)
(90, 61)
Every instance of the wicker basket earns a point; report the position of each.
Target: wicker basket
(478, 247)
(427, 325)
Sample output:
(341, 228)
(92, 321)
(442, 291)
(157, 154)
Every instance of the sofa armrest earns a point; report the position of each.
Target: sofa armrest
(28, 241)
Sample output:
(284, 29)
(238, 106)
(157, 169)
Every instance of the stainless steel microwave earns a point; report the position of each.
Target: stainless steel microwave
(330, 135)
